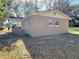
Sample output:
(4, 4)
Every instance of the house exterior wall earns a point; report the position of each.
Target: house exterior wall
(40, 26)
(26, 25)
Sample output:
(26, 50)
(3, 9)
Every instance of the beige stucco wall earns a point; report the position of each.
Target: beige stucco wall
(40, 26)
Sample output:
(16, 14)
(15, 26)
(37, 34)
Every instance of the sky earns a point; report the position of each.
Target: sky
(75, 2)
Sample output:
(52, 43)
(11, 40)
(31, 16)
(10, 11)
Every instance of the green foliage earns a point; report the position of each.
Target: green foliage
(1, 4)
(5, 1)
(1, 20)
(3, 11)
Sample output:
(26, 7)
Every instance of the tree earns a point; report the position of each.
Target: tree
(20, 10)
(3, 11)
(48, 4)
(62, 5)
(17, 9)
(35, 5)
(75, 16)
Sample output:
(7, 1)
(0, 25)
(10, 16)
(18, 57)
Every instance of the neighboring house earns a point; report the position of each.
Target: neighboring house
(46, 23)
(16, 21)
(17, 25)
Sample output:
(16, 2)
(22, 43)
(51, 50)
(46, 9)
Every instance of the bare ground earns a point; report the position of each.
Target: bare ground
(62, 46)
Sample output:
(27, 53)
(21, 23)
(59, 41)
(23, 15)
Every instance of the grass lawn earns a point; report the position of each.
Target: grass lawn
(16, 50)
(4, 31)
(74, 30)
(63, 46)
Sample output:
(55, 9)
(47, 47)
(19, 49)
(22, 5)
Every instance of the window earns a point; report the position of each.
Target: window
(57, 23)
(50, 22)
(53, 23)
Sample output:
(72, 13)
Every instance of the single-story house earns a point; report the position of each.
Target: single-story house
(45, 23)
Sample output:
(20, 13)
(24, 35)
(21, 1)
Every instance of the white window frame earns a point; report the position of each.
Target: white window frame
(57, 24)
(50, 23)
